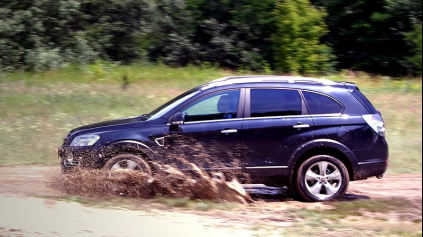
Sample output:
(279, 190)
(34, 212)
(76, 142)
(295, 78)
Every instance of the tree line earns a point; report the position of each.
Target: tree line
(289, 36)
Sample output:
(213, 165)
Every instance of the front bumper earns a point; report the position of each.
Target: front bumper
(79, 157)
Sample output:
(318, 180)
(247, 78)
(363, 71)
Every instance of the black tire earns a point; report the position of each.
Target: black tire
(128, 162)
(316, 185)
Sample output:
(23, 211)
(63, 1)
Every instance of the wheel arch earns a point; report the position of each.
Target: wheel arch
(128, 147)
(323, 147)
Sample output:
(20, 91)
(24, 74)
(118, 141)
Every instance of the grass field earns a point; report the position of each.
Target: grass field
(38, 109)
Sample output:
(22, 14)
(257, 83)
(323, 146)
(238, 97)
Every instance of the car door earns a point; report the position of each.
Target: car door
(210, 134)
(276, 124)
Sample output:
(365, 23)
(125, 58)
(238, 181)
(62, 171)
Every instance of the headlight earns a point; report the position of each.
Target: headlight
(85, 140)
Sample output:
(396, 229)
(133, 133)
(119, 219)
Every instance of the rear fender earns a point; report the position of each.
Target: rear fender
(300, 155)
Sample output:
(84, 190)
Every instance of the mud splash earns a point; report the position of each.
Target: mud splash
(166, 181)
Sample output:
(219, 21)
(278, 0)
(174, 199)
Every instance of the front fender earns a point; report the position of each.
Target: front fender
(128, 146)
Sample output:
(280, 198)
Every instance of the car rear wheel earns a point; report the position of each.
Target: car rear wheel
(128, 162)
(322, 178)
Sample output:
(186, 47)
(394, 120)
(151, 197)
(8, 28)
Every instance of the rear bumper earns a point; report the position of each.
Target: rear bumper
(371, 169)
(373, 161)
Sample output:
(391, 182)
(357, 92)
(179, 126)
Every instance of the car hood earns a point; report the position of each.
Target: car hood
(109, 124)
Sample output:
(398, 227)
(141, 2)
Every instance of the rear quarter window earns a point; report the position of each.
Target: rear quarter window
(322, 104)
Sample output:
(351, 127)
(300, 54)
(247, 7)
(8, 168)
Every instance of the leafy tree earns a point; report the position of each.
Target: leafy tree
(416, 38)
(117, 28)
(407, 22)
(233, 33)
(381, 36)
(300, 26)
(43, 34)
(370, 35)
(10, 50)
(38, 35)
(172, 39)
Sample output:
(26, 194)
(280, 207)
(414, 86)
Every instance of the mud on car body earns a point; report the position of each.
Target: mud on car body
(314, 135)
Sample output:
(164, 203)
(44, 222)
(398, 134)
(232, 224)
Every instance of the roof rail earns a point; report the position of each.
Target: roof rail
(284, 79)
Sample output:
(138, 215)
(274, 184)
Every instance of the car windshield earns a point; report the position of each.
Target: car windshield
(162, 110)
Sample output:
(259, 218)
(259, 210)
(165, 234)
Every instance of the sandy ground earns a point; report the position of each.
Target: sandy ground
(25, 210)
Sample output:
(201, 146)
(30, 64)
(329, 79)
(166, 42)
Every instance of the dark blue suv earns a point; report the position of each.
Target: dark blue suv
(314, 135)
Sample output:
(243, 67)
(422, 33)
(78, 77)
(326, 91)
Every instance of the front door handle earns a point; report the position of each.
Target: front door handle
(301, 125)
(229, 131)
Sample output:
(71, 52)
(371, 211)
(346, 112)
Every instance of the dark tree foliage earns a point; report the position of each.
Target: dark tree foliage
(117, 29)
(234, 33)
(371, 35)
(43, 34)
(30, 30)
(172, 39)
(382, 36)
(415, 38)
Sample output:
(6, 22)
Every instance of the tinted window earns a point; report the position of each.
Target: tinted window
(272, 102)
(218, 106)
(162, 110)
(320, 104)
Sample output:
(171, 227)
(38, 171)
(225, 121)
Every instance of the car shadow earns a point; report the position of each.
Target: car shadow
(276, 194)
(354, 197)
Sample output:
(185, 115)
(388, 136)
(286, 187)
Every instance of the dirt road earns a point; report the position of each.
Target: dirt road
(25, 210)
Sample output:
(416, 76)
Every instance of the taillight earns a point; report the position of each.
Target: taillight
(376, 122)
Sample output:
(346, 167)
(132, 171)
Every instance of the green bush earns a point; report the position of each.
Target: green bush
(297, 47)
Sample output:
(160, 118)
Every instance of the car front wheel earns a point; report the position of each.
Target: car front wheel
(322, 178)
(128, 162)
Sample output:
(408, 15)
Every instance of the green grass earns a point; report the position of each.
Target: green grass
(355, 208)
(343, 209)
(349, 219)
(38, 109)
(364, 218)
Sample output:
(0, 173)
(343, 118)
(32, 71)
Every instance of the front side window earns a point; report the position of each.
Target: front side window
(219, 106)
(162, 110)
(275, 103)
(321, 104)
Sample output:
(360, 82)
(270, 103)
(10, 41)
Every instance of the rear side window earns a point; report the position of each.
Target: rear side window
(321, 104)
(275, 103)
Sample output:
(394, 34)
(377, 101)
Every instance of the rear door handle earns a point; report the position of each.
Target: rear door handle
(301, 125)
(229, 131)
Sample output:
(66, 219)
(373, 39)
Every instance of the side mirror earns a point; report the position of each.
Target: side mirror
(178, 119)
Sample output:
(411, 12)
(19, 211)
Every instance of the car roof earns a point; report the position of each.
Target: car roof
(268, 79)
